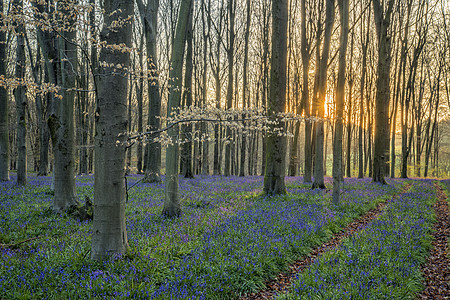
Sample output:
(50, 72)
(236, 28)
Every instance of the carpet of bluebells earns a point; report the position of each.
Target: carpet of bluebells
(382, 261)
(229, 240)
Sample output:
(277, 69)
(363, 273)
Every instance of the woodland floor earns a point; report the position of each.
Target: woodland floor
(381, 242)
(437, 269)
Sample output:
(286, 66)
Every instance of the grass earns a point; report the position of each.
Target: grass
(228, 241)
(380, 262)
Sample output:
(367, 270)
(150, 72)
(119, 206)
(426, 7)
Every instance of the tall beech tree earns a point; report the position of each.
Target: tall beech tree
(340, 99)
(4, 133)
(230, 56)
(21, 97)
(61, 122)
(276, 144)
(109, 234)
(172, 199)
(364, 46)
(306, 57)
(149, 16)
(245, 93)
(186, 149)
(319, 104)
(383, 15)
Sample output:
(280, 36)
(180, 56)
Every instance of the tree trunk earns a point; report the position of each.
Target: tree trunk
(306, 56)
(140, 100)
(230, 57)
(21, 101)
(217, 127)
(206, 22)
(340, 100)
(129, 129)
(4, 132)
(293, 151)
(245, 93)
(217, 86)
(172, 200)
(153, 148)
(62, 123)
(109, 234)
(275, 144)
(365, 42)
(381, 140)
(349, 112)
(294, 159)
(83, 119)
(320, 103)
(186, 149)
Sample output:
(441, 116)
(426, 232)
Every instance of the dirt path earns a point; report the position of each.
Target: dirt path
(437, 269)
(283, 281)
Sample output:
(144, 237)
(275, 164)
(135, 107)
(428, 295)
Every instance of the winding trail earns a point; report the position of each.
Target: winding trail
(281, 283)
(437, 268)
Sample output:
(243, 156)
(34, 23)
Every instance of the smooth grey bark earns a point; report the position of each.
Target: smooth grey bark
(47, 43)
(320, 103)
(364, 45)
(62, 123)
(93, 66)
(403, 112)
(340, 100)
(140, 102)
(83, 120)
(21, 101)
(44, 135)
(172, 200)
(217, 154)
(230, 57)
(381, 139)
(265, 71)
(276, 144)
(306, 56)
(130, 129)
(349, 111)
(293, 151)
(245, 89)
(153, 148)
(109, 234)
(4, 132)
(206, 24)
(186, 149)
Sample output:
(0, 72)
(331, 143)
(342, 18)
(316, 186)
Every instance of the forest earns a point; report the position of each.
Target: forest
(224, 149)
